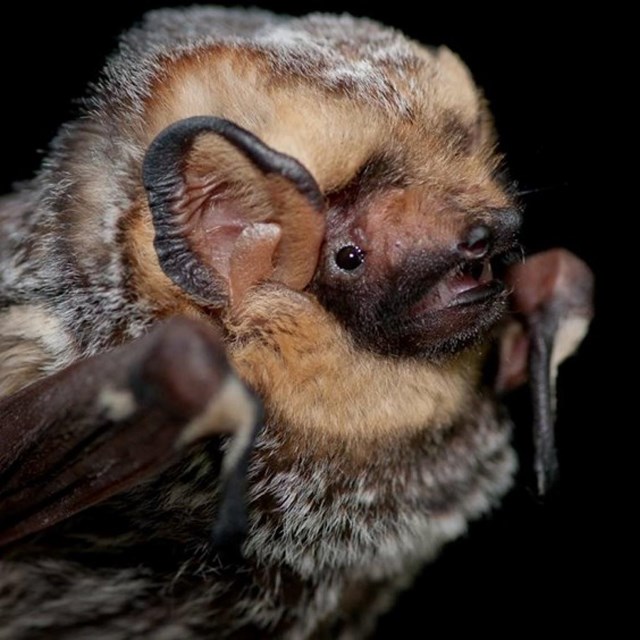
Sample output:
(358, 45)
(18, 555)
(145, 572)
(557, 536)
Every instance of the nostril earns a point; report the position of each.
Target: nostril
(478, 242)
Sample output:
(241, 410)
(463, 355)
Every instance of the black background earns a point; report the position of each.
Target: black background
(525, 564)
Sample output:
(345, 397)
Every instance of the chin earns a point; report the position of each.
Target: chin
(437, 333)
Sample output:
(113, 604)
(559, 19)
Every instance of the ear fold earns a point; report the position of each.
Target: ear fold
(552, 301)
(229, 211)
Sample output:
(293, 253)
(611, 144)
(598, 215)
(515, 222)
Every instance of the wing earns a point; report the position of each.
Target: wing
(228, 212)
(104, 424)
(552, 303)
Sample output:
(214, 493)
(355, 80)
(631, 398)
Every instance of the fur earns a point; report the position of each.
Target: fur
(367, 463)
(320, 537)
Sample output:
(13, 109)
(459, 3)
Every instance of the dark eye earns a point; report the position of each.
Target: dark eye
(350, 257)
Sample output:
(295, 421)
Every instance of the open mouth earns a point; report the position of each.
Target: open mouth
(468, 283)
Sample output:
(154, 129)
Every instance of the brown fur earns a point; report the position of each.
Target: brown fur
(309, 122)
(32, 342)
(313, 377)
(369, 461)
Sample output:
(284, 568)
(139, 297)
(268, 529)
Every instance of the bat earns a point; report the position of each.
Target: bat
(258, 311)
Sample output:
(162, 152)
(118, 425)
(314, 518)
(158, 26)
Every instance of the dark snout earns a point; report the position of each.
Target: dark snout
(427, 282)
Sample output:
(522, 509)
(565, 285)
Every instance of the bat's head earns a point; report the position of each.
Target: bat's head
(387, 209)
(413, 264)
(358, 169)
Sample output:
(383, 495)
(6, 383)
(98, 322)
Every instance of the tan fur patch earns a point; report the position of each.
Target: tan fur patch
(294, 118)
(334, 134)
(146, 274)
(21, 363)
(32, 345)
(312, 376)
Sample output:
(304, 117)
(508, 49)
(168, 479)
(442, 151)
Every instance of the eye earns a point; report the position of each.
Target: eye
(349, 257)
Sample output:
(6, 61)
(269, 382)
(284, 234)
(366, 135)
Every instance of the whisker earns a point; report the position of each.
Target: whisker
(527, 192)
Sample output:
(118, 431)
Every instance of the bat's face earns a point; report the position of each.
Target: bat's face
(413, 270)
(363, 176)
(391, 216)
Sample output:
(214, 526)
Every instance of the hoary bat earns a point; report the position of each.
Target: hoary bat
(257, 311)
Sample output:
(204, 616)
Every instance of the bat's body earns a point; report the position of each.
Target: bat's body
(355, 293)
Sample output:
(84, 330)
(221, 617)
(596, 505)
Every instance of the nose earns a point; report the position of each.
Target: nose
(477, 243)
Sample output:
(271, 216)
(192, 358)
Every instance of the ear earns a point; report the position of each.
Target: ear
(229, 211)
(552, 303)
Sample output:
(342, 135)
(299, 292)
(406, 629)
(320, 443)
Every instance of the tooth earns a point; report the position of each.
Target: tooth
(487, 272)
(443, 292)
